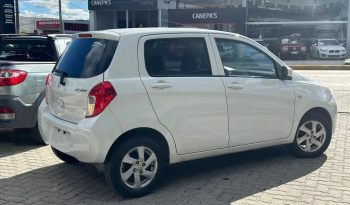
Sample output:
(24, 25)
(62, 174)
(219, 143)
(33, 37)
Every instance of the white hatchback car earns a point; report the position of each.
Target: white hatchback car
(137, 99)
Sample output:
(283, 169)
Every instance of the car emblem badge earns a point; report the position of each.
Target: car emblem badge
(294, 48)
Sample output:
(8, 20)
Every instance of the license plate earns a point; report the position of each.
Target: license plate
(294, 52)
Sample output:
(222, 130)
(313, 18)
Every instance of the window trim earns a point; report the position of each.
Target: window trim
(275, 64)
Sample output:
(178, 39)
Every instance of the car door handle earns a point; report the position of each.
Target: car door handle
(161, 85)
(235, 86)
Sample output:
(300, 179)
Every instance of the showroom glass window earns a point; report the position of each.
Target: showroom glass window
(240, 59)
(177, 57)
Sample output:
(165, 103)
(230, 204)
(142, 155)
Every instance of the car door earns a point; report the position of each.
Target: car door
(180, 75)
(260, 105)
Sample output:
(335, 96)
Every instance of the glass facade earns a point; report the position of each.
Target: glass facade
(297, 10)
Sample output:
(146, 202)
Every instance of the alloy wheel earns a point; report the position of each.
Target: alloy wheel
(311, 136)
(138, 167)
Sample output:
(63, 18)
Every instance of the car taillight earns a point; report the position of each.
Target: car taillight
(12, 77)
(99, 97)
(47, 85)
(4, 110)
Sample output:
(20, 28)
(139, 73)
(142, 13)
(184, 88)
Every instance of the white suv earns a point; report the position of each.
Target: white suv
(137, 99)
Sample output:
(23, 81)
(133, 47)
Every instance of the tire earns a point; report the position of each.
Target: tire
(318, 56)
(64, 157)
(304, 144)
(134, 167)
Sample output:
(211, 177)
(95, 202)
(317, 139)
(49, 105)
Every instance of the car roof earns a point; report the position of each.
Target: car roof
(154, 31)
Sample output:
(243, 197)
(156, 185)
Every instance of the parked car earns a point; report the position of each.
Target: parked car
(116, 98)
(25, 62)
(327, 48)
(261, 42)
(290, 46)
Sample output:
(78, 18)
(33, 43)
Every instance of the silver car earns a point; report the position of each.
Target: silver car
(25, 62)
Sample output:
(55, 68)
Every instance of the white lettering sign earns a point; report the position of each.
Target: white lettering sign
(205, 15)
(101, 2)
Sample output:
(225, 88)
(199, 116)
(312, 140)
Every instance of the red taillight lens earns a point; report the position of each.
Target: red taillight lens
(85, 35)
(47, 86)
(99, 97)
(4, 110)
(12, 77)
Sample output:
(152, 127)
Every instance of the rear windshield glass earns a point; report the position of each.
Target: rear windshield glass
(87, 57)
(26, 50)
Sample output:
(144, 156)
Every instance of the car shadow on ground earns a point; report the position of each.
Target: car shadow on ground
(14, 142)
(217, 180)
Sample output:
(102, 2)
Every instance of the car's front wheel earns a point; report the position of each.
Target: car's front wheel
(312, 137)
(134, 167)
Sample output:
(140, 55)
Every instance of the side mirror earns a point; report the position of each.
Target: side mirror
(315, 44)
(286, 73)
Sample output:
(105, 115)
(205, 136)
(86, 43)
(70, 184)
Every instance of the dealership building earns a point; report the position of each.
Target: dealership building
(266, 19)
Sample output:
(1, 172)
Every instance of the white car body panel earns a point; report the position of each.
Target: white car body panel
(193, 109)
(90, 139)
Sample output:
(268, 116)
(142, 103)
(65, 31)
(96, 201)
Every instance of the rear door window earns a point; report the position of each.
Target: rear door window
(87, 57)
(26, 50)
(186, 57)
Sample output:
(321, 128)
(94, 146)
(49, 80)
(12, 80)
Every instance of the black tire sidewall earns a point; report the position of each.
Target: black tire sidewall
(113, 163)
(294, 147)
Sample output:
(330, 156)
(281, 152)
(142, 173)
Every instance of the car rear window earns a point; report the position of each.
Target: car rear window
(26, 50)
(87, 57)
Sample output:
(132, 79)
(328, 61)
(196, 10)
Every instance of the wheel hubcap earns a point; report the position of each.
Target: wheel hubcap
(139, 167)
(311, 136)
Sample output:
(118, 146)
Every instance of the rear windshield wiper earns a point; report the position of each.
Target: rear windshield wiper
(63, 75)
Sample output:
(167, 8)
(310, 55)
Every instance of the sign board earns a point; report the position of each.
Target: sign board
(48, 25)
(236, 16)
(7, 17)
(76, 27)
(122, 4)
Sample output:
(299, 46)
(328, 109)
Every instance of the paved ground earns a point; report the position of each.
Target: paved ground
(31, 174)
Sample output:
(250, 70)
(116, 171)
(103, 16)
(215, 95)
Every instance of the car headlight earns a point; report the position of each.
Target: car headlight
(303, 48)
(285, 48)
(343, 50)
(323, 50)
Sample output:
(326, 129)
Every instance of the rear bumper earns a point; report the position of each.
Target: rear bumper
(24, 116)
(88, 141)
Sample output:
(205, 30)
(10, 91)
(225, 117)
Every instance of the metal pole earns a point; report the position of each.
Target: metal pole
(159, 18)
(17, 18)
(127, 18)
(60, 15)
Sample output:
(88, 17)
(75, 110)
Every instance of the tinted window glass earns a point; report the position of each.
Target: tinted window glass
(26, 50)
(87, 57)
(243, 60)
(177, 57)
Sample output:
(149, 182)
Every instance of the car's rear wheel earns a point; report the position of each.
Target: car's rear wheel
(135, 166)
(312, 137)
(64, 157)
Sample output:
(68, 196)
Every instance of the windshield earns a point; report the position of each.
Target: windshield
(87, 57)
(291, 41)
(26, 50)
(328, 43)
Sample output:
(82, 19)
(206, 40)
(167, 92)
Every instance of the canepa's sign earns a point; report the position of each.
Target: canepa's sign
(122, 4)
(7, 17)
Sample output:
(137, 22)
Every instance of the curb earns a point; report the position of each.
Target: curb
(320, 67)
